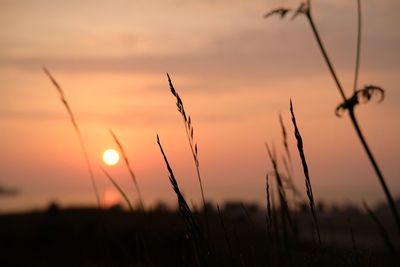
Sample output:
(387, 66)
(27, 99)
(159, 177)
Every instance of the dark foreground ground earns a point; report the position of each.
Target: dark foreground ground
(114, 237)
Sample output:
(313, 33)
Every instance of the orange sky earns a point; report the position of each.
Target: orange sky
(234, 71)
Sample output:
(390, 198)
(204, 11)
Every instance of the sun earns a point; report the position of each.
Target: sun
(110, 157)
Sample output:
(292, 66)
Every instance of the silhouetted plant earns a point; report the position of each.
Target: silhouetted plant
(192, 227)
(349, 103)
(285, 215)
(128, 166)
(288, 179)
(309, 191)
(125, 197)
(284, 136)
(189, 132)
(281, 190)
(78, 132)
(269, 210)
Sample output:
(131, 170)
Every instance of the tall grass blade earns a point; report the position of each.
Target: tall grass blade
(289, 179)
(285, 139)
(189, 134)
(309, 191)
(192, 227)
(269, 210)
(125, 197)
(78, 132)
(286, 218)
(128, 166)
(281, 190)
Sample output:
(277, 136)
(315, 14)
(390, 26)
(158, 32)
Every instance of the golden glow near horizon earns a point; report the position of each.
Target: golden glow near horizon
(110, 157)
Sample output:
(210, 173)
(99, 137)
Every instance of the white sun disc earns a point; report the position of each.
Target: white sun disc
(110, 157)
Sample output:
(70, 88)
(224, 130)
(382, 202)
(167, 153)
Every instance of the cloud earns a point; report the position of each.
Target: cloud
(246, 52)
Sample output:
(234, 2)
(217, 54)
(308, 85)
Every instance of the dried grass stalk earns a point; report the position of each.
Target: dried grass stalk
(189, 133)
(269, 210)
(309, 191)
(192, 227)
(125, 197)
(128, 166)
(281, 190)
(78, 132)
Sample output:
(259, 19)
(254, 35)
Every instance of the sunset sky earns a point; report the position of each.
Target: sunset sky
(235, 72)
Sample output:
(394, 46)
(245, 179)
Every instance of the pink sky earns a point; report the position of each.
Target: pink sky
(235, 72)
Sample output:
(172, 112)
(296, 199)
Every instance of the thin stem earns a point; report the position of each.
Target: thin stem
(309, 190)
(197, 167)
(77, 130)
(358, 45)
(189, 134)
(327, 60)
(119, 189)
(355, 123)
(382, 181)
(128, 166)
(89, 168)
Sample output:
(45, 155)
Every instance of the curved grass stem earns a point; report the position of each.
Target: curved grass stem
(352, 116)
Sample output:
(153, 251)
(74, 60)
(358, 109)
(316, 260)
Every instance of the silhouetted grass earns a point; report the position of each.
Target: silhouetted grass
(289, 178)
(288, 254)
(125, 197)
(309, 191)
(281, 189)
(192, 227)
(286, 218)
(128, 166)
(284, 135)
(189, 133)
(78, 132)
(349, 103)
(269, 210)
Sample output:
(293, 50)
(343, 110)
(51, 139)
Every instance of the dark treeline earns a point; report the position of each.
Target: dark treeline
(237, 236)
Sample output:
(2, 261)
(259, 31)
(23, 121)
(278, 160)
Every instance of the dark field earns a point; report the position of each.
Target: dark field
(114, 237)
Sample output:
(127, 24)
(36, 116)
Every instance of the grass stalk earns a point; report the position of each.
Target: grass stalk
(189, 134)
(285, 139)
(125, 197)
(192, 228)
(351, 112)
(281, 190)
(128, 166)
(78, 132)
(358, 48)
(289, 179)
(349, 103)
(309, 191)
(269, 210)
(286, 218)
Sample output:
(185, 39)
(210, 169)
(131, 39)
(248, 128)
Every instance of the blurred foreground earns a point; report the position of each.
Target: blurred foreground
(239, 237)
